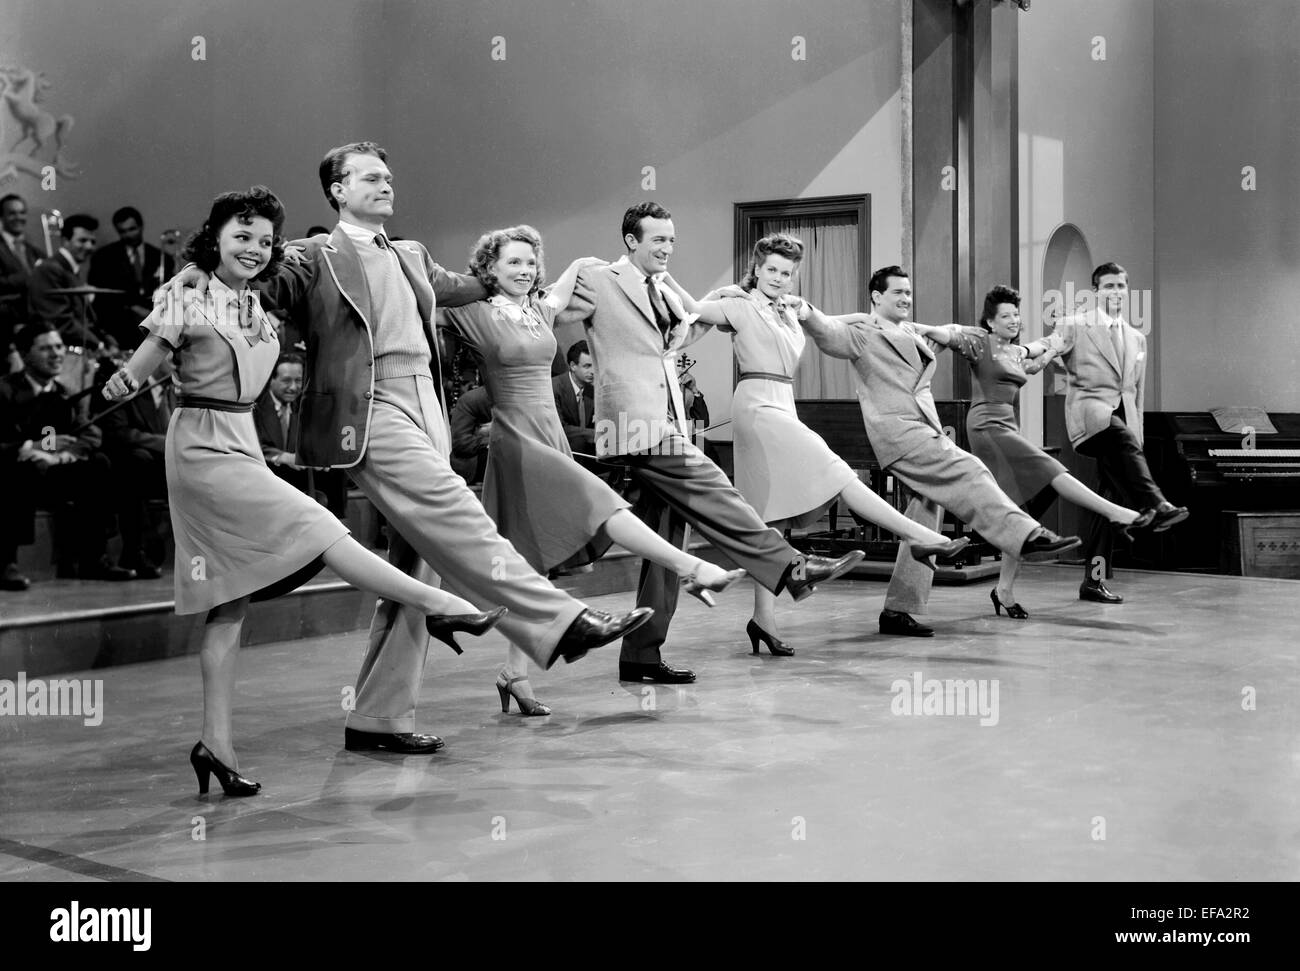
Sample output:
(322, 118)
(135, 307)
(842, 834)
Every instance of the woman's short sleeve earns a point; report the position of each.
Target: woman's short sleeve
(169, 322)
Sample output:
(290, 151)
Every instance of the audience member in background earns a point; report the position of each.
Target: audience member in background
(133, 266)
(17, 260)
(276, 418)
(575, 400)
(45, 460)
(471, 430)
(69, 267)
(135, 438)
(697, 409)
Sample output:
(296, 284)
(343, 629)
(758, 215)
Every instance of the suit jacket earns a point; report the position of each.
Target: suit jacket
(23, 417)
(270, 433)
(139, 423)
(636, 368)
(61, 310)
(327, 299)
(13, 284)
(110, 267)
(894, 366)
(1096, 385)
(582, 438)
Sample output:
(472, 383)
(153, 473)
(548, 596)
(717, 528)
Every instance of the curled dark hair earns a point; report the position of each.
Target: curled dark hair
(779, 244)
(634, 214)
(880, 279)
(993, 299)
(488, 250)
(201, 248)
(576, 350)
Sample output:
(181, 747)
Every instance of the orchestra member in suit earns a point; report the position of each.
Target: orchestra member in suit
(894, 361)
(65, 269)
(133, 266)
(49, 459)
(365, 304)
(1104, 358)
(471, 430)
(276, 418)
(575, 399)
(17, 260)
(636, 327)
(135, 436)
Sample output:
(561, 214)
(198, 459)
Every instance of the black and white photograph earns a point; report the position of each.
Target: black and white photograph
(615, 441)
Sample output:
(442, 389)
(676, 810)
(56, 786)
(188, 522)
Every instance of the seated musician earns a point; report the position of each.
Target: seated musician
(48, 459)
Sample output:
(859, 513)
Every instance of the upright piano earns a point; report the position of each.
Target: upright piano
(1215, 474)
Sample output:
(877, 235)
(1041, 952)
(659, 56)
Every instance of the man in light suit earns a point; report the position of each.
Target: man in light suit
(365, 305)
(1105, 361)
(894, 362)
(635, 328)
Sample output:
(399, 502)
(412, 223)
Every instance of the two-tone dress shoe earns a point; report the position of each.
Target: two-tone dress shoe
(1043, 544)
(805, 572)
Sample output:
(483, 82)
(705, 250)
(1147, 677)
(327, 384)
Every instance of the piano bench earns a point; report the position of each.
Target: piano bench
(1262, 544)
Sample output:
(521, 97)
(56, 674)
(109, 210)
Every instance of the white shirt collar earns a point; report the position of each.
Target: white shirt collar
(13, 241)
(578, 389)
(40, 388)
(359, 234)
(76, 267)
(636, 269)
(1106, 319)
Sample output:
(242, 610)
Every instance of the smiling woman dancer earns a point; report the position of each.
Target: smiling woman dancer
(239, 529)
(552, 509)
(784, 469)
(1032, 478)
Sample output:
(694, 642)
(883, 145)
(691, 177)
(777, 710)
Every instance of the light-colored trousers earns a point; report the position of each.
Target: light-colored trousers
(945, 477)
(438, 528)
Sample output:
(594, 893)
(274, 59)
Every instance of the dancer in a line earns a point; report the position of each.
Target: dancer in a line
(1027, 474)
(784, 469)
(240, 529)
(371, 405)
(1105, 360)
(636, 328)
(552, 509)
(893, 361)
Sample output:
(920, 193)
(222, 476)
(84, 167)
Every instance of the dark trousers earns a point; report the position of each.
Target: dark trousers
(141, 475)
(677, 486)
(1124, 478)
(80, 495)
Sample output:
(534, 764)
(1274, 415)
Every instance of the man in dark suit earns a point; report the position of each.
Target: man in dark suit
(635, 328)
(135, 438)
(575, 399)
(46, 460)
(471, 432)
(133, 266)
(67, 268)
(17, 260)
(276, 419)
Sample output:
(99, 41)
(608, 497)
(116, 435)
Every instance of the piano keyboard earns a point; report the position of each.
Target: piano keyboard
(1255, 453)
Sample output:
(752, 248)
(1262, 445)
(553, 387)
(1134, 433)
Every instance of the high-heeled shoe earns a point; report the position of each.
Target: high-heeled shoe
(527, 706)
(922, 552)
(1014, 611)
(444, 626)
(775, 646)
(700, 591)
(232, 783)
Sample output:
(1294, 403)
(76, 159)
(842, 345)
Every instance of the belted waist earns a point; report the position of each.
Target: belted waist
(765, 376)
(212, 404)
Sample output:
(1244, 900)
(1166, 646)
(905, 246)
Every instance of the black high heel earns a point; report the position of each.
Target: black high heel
(922, 552)
(1014, 611)
(232, 783)
(444, 626)
(775, 646)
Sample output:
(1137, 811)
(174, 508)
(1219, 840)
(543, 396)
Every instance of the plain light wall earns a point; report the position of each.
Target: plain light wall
(1086, 151)
(1227, 89)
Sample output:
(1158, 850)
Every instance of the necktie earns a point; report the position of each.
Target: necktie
(659, 307)
(582, 410)
(382, 241)
(285, 418)
(20, 251)
(1117, 339)
(134, 255)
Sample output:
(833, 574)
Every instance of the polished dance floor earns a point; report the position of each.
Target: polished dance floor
(1156, 740)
